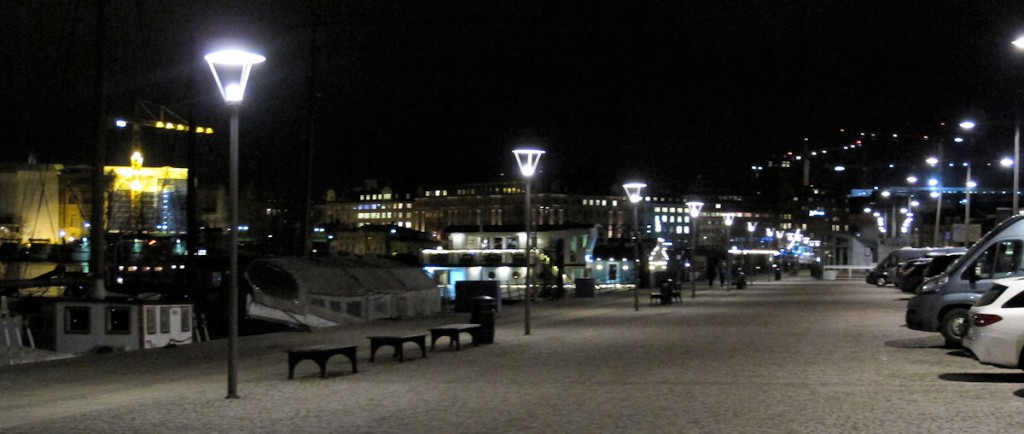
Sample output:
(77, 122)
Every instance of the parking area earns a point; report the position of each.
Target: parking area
(795, 355)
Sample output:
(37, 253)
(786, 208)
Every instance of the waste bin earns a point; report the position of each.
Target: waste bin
(585, 287)
(483, 314)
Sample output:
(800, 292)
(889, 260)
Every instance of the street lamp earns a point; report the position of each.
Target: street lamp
(235, 66)
(751, 227)
(1019, 43)
(693, 208)
(528, 160)
(728, 219)
(633, 193)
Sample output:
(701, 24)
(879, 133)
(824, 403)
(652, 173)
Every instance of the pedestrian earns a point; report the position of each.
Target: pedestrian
(723, 270)
(711, 273)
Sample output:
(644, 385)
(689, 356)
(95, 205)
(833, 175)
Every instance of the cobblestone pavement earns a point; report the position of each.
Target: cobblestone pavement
(790, 356)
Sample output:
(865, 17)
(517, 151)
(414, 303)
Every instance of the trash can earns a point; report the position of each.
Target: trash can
(483, 314)
(585, 287)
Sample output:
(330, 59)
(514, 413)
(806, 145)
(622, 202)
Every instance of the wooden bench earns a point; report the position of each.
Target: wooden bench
(396, 342)
(452, 331)
(658, 297)
(320, 354)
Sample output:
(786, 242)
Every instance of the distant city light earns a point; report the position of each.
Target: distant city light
(967, 124)
(933, 182)
(840, 168)
(932, 161)
(912, 179)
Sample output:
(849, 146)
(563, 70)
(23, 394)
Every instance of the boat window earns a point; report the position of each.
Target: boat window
(165, 319)
(76, 319)
(186, 319)
(150, 320)
(119, 320)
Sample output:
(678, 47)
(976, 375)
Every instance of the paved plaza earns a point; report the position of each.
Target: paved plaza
(796, 355)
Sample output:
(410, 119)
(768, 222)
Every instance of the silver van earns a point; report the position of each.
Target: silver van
(942, 301)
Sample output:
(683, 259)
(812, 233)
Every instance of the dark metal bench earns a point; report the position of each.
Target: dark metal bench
(452, 331)
(320, 354)
(396, 342)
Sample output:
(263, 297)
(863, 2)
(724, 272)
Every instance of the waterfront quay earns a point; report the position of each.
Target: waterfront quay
(796, 355)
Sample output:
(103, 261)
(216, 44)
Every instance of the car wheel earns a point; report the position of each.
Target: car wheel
(880, 281)
(954, 325)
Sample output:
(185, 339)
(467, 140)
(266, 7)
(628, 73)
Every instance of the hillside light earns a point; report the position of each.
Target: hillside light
(231, 70)
(527, 159)
(633, 190)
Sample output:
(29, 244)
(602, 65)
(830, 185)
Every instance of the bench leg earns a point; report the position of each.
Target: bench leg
(421, 341)
(352, 358)
(322, 361)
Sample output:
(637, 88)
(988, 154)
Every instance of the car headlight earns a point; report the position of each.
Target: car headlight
(933, 284)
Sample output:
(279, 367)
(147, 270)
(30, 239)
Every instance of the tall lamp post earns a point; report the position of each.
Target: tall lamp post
(1019, 43)
(728, 219)
(231, 72)
(633, 193)
(527, 160)
(693, 208)
(751, 228)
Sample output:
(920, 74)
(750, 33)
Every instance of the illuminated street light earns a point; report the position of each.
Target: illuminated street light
(728, 219)
(693, 208)
(527, 159)
(633, 193)
(912, 179)
(1006, 162)
(235, 66)
(932, 161)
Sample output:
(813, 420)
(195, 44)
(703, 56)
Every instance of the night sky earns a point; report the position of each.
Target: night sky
(419, 93)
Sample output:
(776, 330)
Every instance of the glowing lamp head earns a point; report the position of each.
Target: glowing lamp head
(528, 159)
(1006, 162)
(967, 124)
(633, 190)
(230, 70)
(694, 208)
(1019, 42)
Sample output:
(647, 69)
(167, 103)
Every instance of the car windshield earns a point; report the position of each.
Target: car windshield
(939, 264)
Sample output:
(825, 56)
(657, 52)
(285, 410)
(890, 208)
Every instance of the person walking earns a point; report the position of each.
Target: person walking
(711, 273)
(723, 271)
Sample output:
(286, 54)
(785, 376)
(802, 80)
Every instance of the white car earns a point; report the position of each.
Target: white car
(995, 335)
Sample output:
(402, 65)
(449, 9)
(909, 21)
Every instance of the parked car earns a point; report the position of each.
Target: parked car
(942, 302)
(996, 332)
(883, 273)
(933, 265)
(910, 274)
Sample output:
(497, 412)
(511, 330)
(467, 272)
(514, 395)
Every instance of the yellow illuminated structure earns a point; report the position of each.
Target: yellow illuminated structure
(147, 199)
